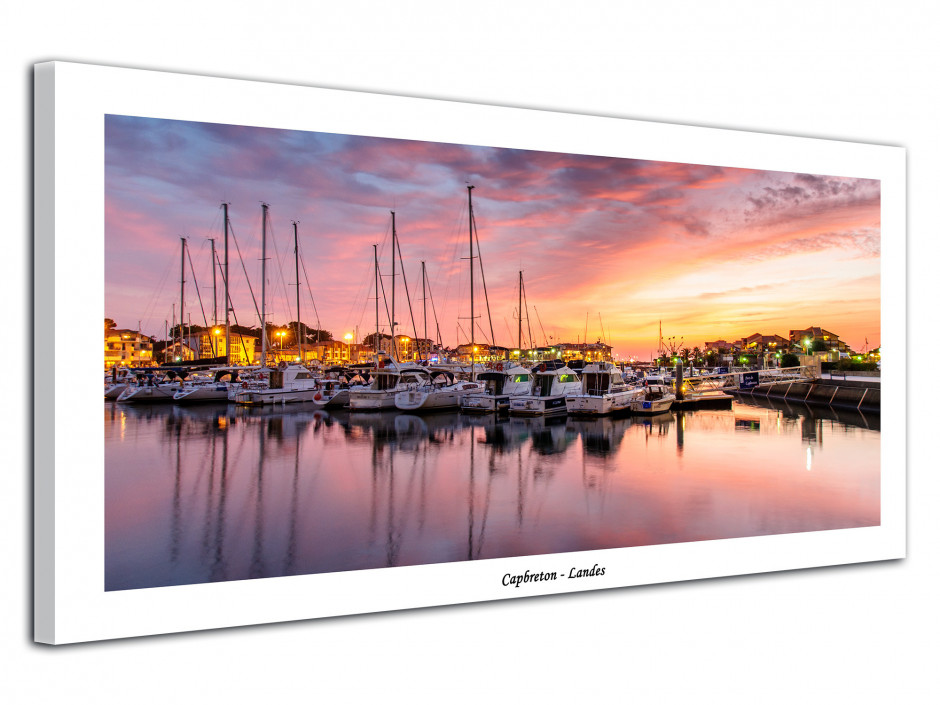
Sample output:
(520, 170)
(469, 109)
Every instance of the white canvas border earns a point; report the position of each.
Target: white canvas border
(71, 101)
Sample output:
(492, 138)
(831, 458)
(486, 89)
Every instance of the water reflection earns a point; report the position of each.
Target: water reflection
(202, 494)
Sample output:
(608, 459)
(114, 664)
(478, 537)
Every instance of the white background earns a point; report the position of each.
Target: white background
(858, 71)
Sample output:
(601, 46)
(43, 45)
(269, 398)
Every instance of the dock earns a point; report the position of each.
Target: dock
(860, 394)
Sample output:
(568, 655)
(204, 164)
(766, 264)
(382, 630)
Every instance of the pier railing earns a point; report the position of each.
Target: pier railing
(738, 379)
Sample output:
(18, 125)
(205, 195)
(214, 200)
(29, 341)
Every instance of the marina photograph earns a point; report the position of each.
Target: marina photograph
(331, 352)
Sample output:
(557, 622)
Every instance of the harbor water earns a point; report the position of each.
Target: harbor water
(220, 492)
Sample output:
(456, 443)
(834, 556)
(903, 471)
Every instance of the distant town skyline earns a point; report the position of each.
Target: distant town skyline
(608, 247)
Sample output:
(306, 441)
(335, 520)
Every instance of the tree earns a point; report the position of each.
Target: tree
(789, 360)
(109, 324)
(819, 346)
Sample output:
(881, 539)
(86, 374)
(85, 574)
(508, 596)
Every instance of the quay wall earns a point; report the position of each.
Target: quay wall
(844, 394)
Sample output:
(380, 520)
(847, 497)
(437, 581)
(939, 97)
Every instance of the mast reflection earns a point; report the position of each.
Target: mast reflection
(214, 493)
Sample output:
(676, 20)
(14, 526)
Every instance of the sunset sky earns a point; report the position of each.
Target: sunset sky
(712, 252)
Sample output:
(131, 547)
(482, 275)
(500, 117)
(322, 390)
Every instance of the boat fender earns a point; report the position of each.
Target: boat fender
(282, 365)
(318, 396)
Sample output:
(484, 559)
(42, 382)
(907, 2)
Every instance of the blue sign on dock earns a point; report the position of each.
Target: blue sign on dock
(749, 380)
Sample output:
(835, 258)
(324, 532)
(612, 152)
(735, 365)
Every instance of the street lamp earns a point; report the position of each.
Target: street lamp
(347, 338)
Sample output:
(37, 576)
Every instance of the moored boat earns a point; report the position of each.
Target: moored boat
(288, 384)
(549, 389)
(152, 385)
(655, 399)
(603, 391)
(499, 385)
(438, 390)
(387, 380)
(216, 388)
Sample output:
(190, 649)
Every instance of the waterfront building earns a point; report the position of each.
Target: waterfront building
(719, 346)
(589, 352)
(758, 343)
(210, 343)
(804, 338)
(127, 348)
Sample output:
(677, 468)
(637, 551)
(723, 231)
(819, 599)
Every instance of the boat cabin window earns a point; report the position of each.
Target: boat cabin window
(596, 383)
(568, 377)
(385, 381)
(495, 386)
(520, 378)
(544, 385)
(303, 375)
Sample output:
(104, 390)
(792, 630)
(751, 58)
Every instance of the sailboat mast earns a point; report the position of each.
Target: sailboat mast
(520, 313)
(300, 345)
(182, 287)
(424, 299)
(392, 322)
(228, 347)
(472, 319)
(264, 261)
(215, 303)
(375, 342)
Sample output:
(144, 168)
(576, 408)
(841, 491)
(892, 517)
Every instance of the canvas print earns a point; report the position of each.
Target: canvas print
(331, 352)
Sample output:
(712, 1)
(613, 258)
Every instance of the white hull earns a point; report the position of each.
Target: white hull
(372, 399)
(537, 406)
(484, 403)
(262, 397)
(206, 393)
(338, 399)
(656, 406)
(114, 390)
(149, 395)
(600, 405)
(434, 399)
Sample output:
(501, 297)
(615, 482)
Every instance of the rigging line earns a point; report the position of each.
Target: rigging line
(285, 290)
(483, 333)
(388, 313)
(316, 313)
(528, 319)
(461, 330)
(450, 278)
(506, 321)
(241, 336)
(539, 319)
(359, 302)
(437, 325)
(196, 286)
(404, 280)
(150, 309)
(264, 331)
(476, 233)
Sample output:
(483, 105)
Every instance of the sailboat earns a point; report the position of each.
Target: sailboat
(499, 384)
(390, 376)
(288, 384)
(438, 390)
